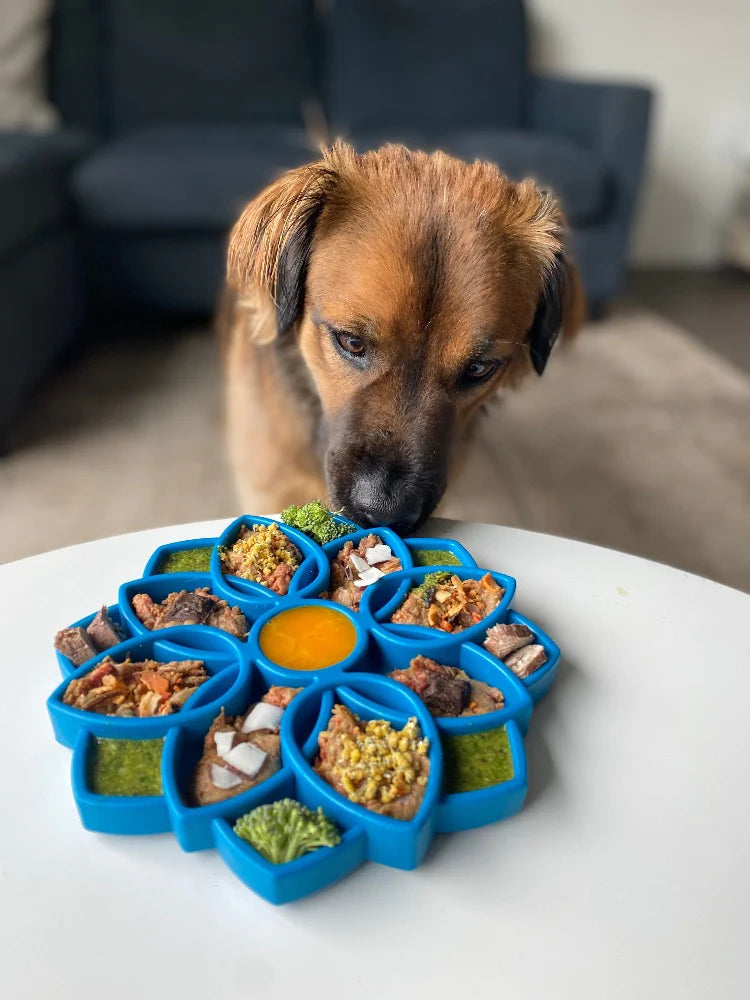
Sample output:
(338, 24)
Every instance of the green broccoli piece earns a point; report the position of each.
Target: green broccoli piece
(315, 521)
(426, 588)
(285, 830)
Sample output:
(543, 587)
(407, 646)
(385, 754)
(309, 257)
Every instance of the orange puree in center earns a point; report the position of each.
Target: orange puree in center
(308, 638)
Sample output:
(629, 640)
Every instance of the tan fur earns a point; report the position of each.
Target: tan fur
(388, 223)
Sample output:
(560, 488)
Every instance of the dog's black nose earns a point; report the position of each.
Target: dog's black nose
(375, 502)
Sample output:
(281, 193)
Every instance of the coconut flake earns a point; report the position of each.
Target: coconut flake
(247, 758)
(222, 777)
(371, 575)
(378, 554)
(361, 565)
(263, 716)
(224, 742)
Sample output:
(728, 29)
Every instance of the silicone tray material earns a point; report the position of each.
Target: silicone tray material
(240, 676)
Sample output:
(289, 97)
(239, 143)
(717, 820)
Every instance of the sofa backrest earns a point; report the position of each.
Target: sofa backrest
(122, 64)
(424, 63)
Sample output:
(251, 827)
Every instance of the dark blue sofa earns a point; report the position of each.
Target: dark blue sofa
(176, 112)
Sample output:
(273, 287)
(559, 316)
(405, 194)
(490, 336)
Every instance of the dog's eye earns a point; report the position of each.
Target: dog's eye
(479, 371)
(350, 343)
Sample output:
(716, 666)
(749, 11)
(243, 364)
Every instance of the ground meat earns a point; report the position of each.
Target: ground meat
(391, 769)
(280, 696)
(278, 580)
(144, 688)
(76, 644)
(104, 631)
(343, 573)
(190, 607)
(448, 691)
(449, 603)
(502, 640)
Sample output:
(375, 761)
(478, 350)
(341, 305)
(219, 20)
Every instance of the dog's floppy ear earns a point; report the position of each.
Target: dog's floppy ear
(270, 244)
(560, 310)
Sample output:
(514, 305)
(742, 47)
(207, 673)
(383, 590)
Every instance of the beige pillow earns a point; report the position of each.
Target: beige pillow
(24, 40)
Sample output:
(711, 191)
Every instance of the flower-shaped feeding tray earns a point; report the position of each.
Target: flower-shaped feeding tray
(240, 673)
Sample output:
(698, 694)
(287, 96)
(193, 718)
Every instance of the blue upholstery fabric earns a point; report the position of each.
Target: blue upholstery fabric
(189, 60)
(425, 63)
(181, 178)
(576, 175)
(34, 195)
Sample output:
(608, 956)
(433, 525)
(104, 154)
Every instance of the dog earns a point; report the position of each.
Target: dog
(374, 302)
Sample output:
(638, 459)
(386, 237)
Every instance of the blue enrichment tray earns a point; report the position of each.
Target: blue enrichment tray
(240, 674)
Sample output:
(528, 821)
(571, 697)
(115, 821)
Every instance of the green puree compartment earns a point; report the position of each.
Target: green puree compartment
(125, 767)
(435, 557)
(186, 561)
(477, 760)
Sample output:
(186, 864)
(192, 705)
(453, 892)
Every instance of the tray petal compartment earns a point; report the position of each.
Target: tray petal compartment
(163, 551)
(308, 581)
(274, 673)
(383, 598)
(466, 810)
(121, 814)
(456, 549)
(158, 588)
(223, 657)
(398, 546)
(479, 665)
(393, 842)
(66, 666)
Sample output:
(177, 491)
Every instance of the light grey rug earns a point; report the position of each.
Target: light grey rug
(637, 438)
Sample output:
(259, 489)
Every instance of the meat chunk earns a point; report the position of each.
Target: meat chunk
(524, 662)
(76, 644)
(501, 640)
(104, 632)
(280, 696)
(448, 691)
(187, 608)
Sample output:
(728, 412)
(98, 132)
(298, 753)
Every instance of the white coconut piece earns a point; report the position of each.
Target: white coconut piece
(378, 554)
(371, 575)
(224, 742)
(361, 565)
(222, 777)
(263, 716)
(247, 758)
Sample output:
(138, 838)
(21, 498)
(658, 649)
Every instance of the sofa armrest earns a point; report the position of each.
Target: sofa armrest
(610, 119)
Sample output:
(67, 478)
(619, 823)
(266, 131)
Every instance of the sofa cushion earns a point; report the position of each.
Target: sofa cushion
(188, 60)
(574, 174)
(183, 177)
(33, 183)
(424, 63)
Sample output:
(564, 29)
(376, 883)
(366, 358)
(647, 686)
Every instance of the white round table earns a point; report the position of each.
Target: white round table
(626, 874)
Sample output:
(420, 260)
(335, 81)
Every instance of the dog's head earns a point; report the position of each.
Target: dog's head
(416, 287)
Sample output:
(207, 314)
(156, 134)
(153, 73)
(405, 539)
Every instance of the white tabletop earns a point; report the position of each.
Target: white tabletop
(626, 874)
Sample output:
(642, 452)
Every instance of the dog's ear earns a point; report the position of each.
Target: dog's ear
(560, 310)
(270, 244)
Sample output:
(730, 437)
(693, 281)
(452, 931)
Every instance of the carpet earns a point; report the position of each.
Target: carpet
(637, 438)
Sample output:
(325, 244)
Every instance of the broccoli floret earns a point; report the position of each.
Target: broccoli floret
(285, 830)
(426, 588)
(315, 521)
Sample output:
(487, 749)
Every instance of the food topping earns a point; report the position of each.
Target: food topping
(448, 691)
(144, 688)
(504, 639)
(476, 760)
(309, 637)
(186, 561)
(80, 644)
(374, 765)
(285, 830)
(446, 602)
(125, 767)
(264, 554)
(357, 567)
(315, 521)
(190, 607)
(526, 661)
(435, 557)
(241, 752)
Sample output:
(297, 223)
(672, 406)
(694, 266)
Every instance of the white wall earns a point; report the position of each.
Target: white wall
(696, 55)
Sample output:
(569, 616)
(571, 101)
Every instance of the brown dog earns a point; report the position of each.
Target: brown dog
(375, 302)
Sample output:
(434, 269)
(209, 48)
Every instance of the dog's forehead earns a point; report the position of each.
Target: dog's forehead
(431, 271)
